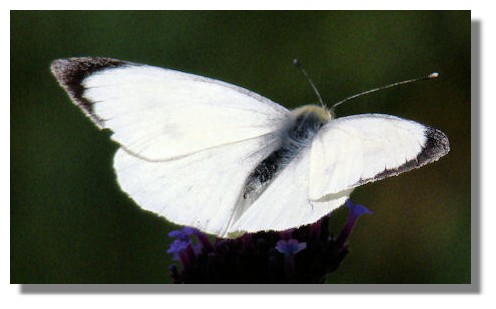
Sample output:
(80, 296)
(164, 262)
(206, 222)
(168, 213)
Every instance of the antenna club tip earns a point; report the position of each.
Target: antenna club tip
(297, 62)
(433, 75)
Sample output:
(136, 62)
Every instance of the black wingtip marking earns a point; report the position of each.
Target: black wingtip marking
(71, 72)
(435, 147)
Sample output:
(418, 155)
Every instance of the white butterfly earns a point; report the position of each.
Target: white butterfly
(214, 156)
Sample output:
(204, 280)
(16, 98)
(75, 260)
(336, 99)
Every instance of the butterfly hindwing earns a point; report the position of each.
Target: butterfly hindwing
(199, 190)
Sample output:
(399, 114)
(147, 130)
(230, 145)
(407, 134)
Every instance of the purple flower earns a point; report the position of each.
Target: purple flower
(357, 210)
(184, 233)
(176, 247)
(300, 255)
(290, 247)
(182, 241)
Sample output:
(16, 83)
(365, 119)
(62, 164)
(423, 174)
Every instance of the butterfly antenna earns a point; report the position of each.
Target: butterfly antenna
(430, 76)
(300, 67)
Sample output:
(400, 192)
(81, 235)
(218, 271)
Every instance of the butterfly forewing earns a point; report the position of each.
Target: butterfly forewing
(159, 114)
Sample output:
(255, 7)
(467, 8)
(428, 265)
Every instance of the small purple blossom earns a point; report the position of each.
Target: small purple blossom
(182, 241)
(176, 247)
(291, 246)
(356, 210)
(184, 233)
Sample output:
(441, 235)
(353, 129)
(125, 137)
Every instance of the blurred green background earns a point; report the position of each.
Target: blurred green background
(70, 223)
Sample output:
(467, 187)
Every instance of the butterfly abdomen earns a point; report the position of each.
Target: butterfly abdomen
(304, 124)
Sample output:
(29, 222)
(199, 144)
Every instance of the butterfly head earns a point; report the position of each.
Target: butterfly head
(312, 114)
(307, 121)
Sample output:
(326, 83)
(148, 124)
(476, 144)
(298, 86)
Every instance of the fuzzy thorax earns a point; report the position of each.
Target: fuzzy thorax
(315, 112)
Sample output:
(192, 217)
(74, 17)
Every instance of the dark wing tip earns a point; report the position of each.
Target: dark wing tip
(71, 72)
(435, 147)
(83, 66)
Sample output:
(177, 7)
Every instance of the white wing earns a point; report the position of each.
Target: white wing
(351, 151)
(161, 114)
